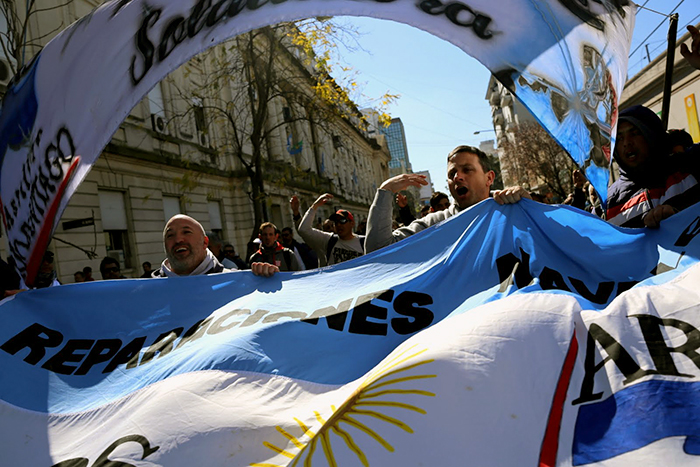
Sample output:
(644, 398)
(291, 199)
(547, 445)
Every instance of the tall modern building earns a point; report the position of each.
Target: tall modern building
(396, 141)
(425, 192)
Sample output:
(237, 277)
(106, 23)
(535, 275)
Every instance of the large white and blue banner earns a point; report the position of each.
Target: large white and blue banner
(519, 335)
(565, 59)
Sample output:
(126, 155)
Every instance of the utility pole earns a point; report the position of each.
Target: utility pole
(668, 77)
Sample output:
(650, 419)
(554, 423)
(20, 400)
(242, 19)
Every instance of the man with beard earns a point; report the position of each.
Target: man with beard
(469, 179)
(272, 252)
(186, 250)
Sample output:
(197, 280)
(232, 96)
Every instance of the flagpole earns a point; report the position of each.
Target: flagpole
(668, 77)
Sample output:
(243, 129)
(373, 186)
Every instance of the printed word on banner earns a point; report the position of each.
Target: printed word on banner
(61, 111)
(484, 336)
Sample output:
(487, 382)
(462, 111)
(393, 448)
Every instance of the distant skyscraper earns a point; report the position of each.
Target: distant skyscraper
(425, 192)
(396, 141)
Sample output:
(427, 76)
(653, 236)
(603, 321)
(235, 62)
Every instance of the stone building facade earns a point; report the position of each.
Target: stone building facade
(161, 162)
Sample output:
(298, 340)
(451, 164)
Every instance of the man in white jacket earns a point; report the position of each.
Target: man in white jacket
(340, 246)
(469, 179)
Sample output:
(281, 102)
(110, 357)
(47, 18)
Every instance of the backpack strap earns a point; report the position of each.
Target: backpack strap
(331, 243)
(287, 258)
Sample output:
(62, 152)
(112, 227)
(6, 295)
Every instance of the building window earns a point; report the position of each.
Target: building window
(155, 100)
(171, 206)
(216, 225)
(115, 227)
(276, 216)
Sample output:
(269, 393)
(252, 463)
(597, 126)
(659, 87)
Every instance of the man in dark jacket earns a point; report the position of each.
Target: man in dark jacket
(272, 252)
(302, 251)
(653, 185)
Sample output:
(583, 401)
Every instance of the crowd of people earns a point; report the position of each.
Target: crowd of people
(659, 174)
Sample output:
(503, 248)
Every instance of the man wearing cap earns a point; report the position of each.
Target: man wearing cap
(340, 246)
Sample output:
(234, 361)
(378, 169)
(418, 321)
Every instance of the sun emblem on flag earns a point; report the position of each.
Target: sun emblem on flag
(372, 395)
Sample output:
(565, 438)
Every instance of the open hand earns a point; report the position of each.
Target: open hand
(403, 181)
(323, 199)
(692, 55)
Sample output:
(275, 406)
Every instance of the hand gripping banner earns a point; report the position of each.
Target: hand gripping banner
(565, 59)
(520, 335)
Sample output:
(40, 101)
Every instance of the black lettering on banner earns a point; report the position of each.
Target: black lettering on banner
(602, 294)
(625, 286)
(335, 316)
(418, 318)
(507, 263)
(69, 353)
(551, 279)
(689, 233)
(255, 4)
(104, 461)
(204, 13)
(454, 12)
(162, 345)
(129, 354)
(234, 8)
(102, 351)
(510, 265)
(194, 332)
(578, 8)
(145, 47)
(194, 22)
(364, 309)
(77, 462)
(37, 184)
(214, 16)
(37, 339)
(174, 33)
(660, 352)
(615, 353)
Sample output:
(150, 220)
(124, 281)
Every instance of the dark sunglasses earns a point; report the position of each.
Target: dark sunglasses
(342, 220)
(112, 269)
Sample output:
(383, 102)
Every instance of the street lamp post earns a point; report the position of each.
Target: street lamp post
(483, 131)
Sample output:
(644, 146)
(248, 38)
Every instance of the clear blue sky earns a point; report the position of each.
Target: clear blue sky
(442, 88)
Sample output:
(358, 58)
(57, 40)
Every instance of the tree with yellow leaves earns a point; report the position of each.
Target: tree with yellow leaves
(276, 83)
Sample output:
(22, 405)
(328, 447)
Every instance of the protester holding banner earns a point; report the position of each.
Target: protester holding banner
(272, 252)
(653, 185)
(340, 246)
(469, 178)
(186, 249)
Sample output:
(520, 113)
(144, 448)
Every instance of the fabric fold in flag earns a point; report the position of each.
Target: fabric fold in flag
(454, 342)
(565, 60)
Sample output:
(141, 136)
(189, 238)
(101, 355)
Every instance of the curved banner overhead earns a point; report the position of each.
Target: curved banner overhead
(511, 336)
(564, 60)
